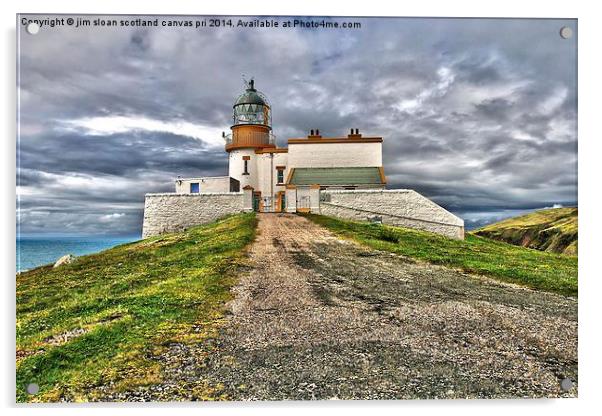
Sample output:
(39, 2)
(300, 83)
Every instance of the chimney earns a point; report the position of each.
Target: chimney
(314, 133)
(355, 134)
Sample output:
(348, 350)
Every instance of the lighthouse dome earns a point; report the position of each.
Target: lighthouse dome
(251, 96)
(252, 107)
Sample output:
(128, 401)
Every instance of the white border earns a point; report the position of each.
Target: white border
(590, 33)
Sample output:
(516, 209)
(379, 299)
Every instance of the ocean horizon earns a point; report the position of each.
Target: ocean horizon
(36, 251)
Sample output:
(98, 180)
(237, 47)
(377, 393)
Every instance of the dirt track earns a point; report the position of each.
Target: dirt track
(324, 318)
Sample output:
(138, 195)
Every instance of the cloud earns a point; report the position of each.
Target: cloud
(111, 217)
(438, 90)
(108, 125)
(478, 114)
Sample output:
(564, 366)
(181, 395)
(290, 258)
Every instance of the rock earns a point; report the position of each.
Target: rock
(66, 259)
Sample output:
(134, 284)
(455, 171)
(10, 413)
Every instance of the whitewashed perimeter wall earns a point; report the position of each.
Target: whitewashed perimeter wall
(400, 207)
(168, 213)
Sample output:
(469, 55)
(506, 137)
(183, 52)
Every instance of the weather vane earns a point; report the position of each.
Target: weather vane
(250, 84)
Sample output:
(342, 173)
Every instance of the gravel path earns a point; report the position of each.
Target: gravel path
(324, 318)
(318, 317)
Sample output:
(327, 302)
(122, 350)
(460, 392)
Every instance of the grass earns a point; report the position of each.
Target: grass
(535, 269)
(554, 230)
(99, 320)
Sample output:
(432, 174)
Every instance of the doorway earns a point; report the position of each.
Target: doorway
(280, 202)
(303, 202)
(256, 201)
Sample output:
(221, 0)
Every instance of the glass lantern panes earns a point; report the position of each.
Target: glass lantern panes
(252, 114)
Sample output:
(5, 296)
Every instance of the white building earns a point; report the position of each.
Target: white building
(351, 162)
(338, 176)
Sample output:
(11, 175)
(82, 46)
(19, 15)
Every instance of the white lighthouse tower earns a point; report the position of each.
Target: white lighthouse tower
(251, 131)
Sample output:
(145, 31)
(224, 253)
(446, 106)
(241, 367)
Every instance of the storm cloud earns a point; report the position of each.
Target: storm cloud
(478, 114)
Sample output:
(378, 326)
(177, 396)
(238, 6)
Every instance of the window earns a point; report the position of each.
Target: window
(280, 175)
(194, 188)
(245, 161)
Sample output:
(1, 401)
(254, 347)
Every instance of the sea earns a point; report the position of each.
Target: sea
(38, 251)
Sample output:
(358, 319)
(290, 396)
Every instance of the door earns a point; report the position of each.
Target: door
(280, 205)
(256, 199)
(303, 200)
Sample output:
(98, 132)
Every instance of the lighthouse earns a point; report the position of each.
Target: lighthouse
(251, 132)
(340, 176)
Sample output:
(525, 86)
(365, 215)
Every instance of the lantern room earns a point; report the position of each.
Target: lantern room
(252, 107)
(252, 121)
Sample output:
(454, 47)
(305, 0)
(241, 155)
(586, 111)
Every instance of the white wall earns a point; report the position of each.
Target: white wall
(262, 170)
(166, 213)
(206, 184)
(401, 207)
(236, 167)
(267, 171)
(315, 155)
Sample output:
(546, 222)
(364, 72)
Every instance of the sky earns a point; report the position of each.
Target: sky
(480, 115)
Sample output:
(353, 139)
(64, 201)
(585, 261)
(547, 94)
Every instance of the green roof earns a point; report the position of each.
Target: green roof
(250, 97)
(336, 176)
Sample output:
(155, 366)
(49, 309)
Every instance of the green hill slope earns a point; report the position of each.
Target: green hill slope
(538, 270)
(98, 325)
(553, 230)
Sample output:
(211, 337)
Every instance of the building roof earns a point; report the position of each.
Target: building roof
(337, 176)
(251, 96)
(343, 140)
(271, 150)
(251, 108)
(353, 137)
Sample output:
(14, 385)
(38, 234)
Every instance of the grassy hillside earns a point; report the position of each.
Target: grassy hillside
(553, 230)
(102, 320)
(535, 269)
